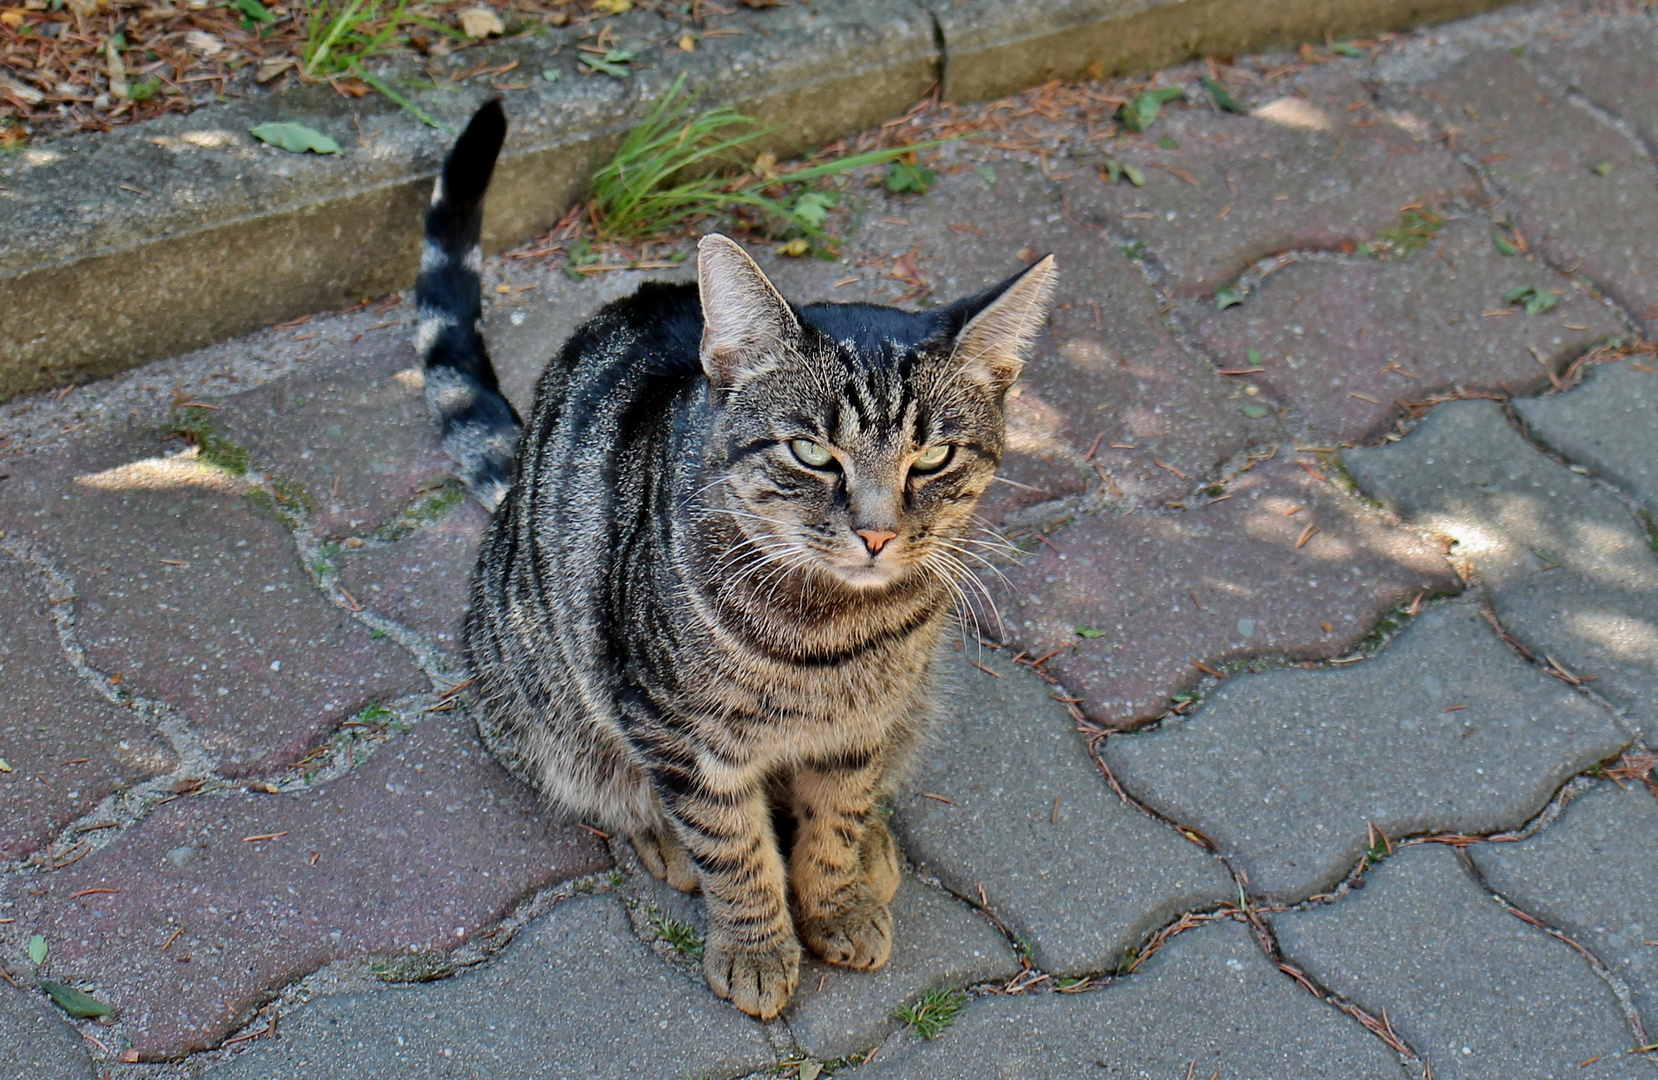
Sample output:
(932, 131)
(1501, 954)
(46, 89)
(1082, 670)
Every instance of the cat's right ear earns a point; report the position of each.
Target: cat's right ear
(744, 318)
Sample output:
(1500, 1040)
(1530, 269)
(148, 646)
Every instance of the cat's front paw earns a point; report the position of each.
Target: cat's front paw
(759, 983)
(860, 937)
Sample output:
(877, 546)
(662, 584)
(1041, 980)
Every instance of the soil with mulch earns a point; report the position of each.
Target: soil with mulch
(69, 66)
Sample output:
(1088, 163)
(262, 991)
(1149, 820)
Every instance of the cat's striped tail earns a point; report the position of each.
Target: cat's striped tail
(479, 426)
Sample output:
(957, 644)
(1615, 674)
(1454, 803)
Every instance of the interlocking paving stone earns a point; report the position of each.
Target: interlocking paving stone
(937, 941)
(1346, 341)
(237, 637)
(1593, 874)
(1285, 769)
(1568, 567)
(39, 1044)
(351, 426)
(1082, 882)
(1608, 425)
(67, 746)
(1218, 581)
(1296, 174)
(1609, 62)
(415, 850)
(1541, 152)
(574, 996)
(423, 581)
(1465, 984)
(1209, 1001)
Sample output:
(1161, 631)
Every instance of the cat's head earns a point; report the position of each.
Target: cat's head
(859, 438)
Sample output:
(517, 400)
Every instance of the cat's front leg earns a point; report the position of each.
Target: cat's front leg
(751, 956)
(843, 870)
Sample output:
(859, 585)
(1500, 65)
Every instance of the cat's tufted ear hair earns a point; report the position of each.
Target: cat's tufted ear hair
(746, 324)
(999, 326)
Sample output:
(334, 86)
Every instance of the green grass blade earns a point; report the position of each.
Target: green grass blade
(414, 110)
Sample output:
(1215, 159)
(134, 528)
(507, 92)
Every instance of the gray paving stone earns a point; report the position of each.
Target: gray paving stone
(1568, 567)
(1347, 341)
(1593, 874)
(1209, 1002)
(1609, 62)
(65, 744)
(1608, 425)
(39, 1043)
(425, 580)
(938, 941)
(1540, 152)
(1285, 769)
(1465, 984)
(1080, 883)
(575, 996)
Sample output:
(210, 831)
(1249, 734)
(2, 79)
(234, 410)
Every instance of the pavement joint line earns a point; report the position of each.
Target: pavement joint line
(1620, 989)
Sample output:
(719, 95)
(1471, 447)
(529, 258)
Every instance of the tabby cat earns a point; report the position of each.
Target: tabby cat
(715, 585)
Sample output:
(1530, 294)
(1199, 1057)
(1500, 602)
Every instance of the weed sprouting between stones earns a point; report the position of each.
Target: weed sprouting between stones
(195, 424)
(930, 1015)
(1416, 227)
(434, 504)
(681, 935)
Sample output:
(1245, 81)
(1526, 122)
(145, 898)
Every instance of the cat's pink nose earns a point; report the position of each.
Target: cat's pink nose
(875, 539)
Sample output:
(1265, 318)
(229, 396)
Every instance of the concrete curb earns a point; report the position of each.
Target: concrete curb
(150, 240)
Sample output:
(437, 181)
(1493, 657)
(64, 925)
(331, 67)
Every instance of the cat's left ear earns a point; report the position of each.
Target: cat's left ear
(745, 320)
(1002, 324)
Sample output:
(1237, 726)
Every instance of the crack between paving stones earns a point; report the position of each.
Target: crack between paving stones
(1619, 988)
(91, 832)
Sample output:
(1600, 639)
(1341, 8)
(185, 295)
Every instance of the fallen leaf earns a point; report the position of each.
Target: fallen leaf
(38, 950)
(1140, 113)
(1255, 412)
(297, 138)
(1341, 48)
(1222, 96)
(613, 7)
(1089, 632)
(5, 766)
(1603, 169)
(13, 19)
(611, 63)
(480, 22)
(1536, 300)
(1226, 296)
(687, 44)
(270, 69)
(902, 176)
(794, 248)
(80, 1005)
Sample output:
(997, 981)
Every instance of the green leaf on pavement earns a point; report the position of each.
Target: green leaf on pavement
(256, 11)
(986, 173)
(81, 1006)
(1226, 296)
(902, 176)
(1503, 245)
(1089, 632)
(1223, 97)
(1255, 412)
(1341, 48)
(38, 950)
(1604, 168)
(296, 138)
(1253, 356)
(611, 63)
(1535, 300)
(813, 207)
(1140, 113)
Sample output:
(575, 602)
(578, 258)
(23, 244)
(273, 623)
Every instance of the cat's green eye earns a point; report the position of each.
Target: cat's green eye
(810, 453)
(932, 458)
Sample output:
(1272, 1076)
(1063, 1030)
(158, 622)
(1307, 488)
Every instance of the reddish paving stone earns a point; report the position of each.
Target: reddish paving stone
(1108, 369)
(52, 718)
(1541, 153)
(1309, 179)
(1610, 64)
(1212, 583)
(1346, 341)
(352, 429)
(425, 580)
(415, 850)
(238, 638)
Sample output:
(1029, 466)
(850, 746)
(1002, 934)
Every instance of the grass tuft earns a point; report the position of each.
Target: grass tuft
(1415, 229)
(681, 935)
(679, 165)
(933, 1012)
(196, 425)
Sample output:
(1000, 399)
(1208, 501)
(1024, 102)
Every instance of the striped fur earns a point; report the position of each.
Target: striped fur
(677, 628)
(479, 426)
